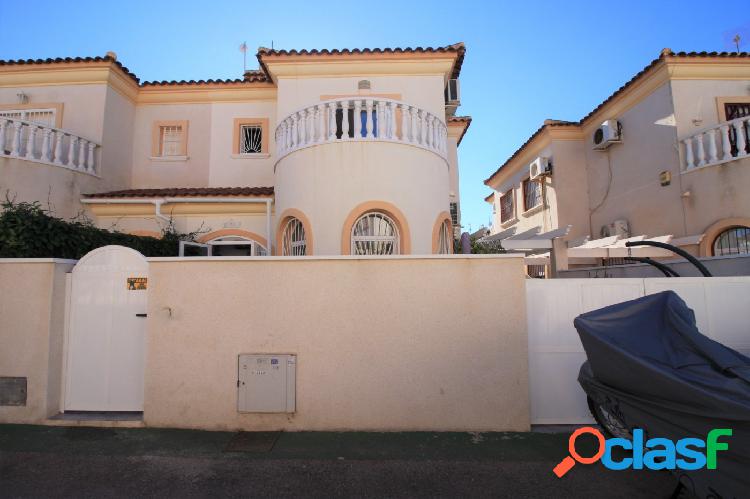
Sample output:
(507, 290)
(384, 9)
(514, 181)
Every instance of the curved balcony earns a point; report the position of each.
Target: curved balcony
(384, 120)
(44, 144)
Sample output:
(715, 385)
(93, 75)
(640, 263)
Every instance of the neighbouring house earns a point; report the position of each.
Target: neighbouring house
(318, 152)
(667, 156)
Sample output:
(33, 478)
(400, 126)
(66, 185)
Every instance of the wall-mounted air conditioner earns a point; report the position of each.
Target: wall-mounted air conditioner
(452, 96)
(608, 133)
(619, 228)
(540, 166)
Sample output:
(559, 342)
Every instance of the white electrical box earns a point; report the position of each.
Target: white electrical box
(266, 383)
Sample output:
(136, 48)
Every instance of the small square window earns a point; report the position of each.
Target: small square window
(170, 140)
(532, 194)
(251, 139)
(506, 206)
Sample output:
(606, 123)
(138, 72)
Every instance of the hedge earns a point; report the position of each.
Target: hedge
(27, 231)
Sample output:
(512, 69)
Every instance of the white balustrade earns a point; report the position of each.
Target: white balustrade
(361, 119)
(704, 148)
(43, 144)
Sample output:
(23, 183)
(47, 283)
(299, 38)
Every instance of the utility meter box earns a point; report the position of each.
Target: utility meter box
(266, 383)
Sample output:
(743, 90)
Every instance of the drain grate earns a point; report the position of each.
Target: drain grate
(252, 441)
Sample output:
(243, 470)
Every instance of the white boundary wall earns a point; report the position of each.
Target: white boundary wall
(721, 306)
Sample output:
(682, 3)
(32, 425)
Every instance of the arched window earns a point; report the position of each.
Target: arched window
(733, 241)
(375, 233)
(293, 241)
(236, 246)
(444, 238)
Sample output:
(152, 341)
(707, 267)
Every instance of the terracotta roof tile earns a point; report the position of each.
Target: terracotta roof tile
(459, 48)
(461, 119)
(662, 56)
(59, 60)
(551, 123)
(186, 192)
(250, 77)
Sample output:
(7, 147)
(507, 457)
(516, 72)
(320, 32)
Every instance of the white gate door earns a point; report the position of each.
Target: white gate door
(107, 331)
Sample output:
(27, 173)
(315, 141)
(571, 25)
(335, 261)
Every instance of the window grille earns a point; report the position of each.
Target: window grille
(44, 117)
(454, 214)
(375, 234)
(251, 139)
(236, 246)
(734, 241)
(532, 194)
(506, 206)
(444, 239)
(536, 271)
(171, 140)
(293, 239)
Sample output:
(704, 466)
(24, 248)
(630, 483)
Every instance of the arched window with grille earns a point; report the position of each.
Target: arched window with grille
(733, 241)
(293, 242)
(236, 246)
(444, 238)
(375, 233)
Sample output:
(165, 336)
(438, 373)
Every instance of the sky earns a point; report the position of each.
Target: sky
(526, 60)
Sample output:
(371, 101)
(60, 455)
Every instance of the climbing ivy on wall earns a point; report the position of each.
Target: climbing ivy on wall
(28, 231)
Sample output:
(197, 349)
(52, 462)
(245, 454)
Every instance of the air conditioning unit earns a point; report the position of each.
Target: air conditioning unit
(619, 228)
(540, 166)
(452, 96)
(610, 132)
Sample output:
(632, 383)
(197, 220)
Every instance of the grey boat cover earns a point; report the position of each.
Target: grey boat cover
(649, 366)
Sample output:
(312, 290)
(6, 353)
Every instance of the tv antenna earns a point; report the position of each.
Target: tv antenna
(243, 49)
(736, 41)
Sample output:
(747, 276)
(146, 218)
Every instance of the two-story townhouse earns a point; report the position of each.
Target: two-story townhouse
(666, 154)
(315, 153)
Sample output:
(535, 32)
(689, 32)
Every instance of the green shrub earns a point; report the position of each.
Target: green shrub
(28, 231)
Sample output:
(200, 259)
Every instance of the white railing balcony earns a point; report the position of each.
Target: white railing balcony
(727, 141)
(361, 119)
(44, 144)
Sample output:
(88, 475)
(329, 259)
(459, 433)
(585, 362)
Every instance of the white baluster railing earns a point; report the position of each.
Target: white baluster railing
(361, 119)
(43, 144)
(717, 144)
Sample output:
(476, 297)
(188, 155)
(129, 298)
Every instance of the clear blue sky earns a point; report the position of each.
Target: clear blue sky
(526, 60)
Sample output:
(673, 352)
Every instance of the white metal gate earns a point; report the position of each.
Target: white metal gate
(106, 331)
(721, 305)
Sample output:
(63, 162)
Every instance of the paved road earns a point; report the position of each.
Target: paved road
(81, 462)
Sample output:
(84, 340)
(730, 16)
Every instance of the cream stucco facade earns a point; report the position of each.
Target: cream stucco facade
(122, 152)
(649, 178)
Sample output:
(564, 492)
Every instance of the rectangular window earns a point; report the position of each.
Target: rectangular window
(169, 139)
(250, 136)
(454, 214)
(506, 206)
(251, 139)
(532, 194)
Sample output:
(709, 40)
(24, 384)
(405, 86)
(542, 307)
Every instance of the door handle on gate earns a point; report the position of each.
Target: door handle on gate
(141, 315)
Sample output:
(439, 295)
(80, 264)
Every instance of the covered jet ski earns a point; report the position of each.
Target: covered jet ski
(649, 367)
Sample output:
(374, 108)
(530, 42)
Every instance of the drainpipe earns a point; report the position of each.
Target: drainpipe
(157, 210)
(268, 226)
(156, 202)
(161, 201)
